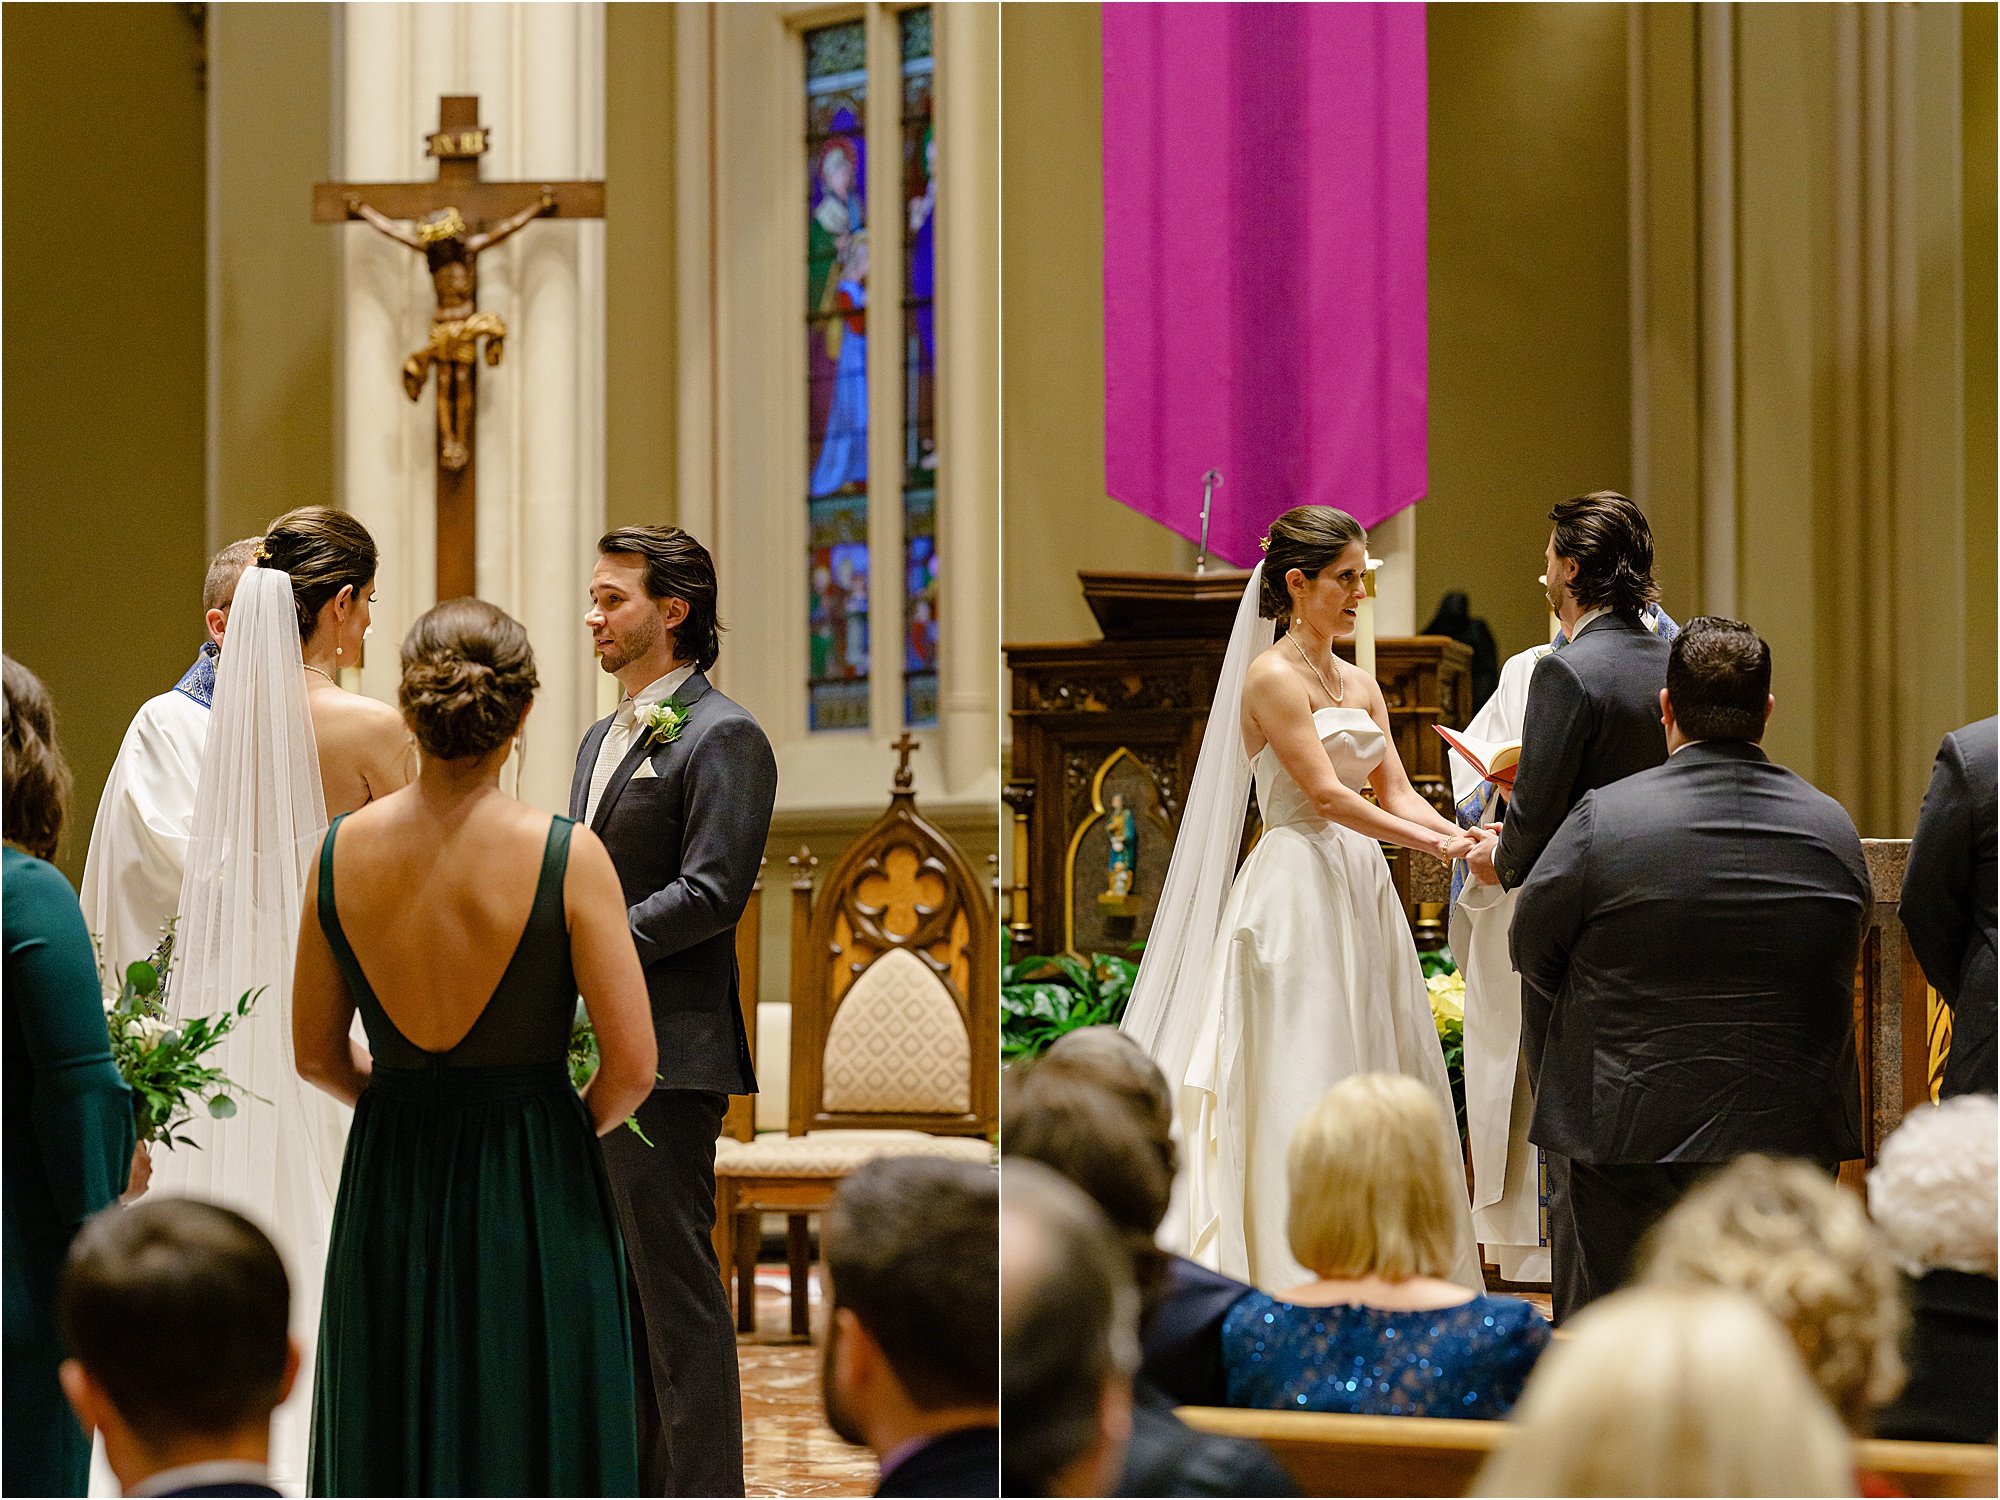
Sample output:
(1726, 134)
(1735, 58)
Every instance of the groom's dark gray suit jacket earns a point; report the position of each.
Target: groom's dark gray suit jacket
(1593, 716)
(686, 842)
(1687, 945)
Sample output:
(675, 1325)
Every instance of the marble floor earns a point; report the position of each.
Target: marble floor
(787, 1447)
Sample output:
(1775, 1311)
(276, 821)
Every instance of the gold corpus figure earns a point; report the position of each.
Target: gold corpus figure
(457, 326)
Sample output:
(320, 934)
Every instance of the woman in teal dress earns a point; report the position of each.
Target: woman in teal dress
(474, 1336)
(69, 1137)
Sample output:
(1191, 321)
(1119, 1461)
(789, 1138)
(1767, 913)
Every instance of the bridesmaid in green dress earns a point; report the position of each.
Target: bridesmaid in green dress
(68, 1115)
(474, 1336)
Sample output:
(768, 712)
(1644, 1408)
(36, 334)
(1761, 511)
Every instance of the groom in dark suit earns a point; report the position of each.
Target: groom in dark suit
(1592, 717)
(679, 783)
(1687, 945)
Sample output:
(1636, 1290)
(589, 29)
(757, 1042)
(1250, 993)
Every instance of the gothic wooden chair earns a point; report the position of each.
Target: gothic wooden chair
(895, 1042)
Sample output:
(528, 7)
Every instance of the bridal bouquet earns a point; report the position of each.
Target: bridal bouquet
(161, 1058)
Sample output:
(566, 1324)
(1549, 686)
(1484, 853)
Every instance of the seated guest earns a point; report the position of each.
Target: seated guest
(1802, 1246)
(1380, 1330)
(912, 1247)
(1065, 1121)
(1069, 1337)
(1182, 1333)
(176, 1313)
(1932, 1194)
(1657, 1391)
(1948, 894)
(1686, 946)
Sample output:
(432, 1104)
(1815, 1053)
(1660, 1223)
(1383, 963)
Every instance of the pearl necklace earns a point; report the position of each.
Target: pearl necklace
(1339, 697)
(311, 668)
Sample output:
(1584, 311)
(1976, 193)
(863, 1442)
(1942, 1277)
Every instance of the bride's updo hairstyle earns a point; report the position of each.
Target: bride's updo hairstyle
(324, 551)
(468, 676)
(1309, 538)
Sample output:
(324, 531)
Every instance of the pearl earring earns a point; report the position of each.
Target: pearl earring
(337, 651)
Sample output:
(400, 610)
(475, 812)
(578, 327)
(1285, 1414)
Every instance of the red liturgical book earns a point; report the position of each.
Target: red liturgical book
(1496, 760)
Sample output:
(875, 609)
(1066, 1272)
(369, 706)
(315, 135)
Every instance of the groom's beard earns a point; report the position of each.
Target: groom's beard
(838, 1417)
(635, 643)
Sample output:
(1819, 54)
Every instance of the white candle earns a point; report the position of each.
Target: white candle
(1364, 624)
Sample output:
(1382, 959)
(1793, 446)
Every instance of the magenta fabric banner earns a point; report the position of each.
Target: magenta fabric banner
(1264, 178)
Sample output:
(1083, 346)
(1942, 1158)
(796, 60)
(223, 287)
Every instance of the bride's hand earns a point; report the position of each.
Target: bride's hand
(1457, 848)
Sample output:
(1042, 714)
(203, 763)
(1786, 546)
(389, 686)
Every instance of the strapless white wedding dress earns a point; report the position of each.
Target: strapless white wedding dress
(1313, 978)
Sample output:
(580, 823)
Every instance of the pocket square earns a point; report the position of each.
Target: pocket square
(645, 771)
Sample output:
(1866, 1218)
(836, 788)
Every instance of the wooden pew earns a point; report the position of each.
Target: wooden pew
(1348, 1455)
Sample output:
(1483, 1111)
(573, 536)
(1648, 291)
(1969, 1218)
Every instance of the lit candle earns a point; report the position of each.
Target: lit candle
(1364, 624)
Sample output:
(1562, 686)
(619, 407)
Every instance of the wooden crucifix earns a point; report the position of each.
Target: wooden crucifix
(449, 222)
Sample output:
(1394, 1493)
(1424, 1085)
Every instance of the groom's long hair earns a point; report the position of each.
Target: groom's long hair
(677, 567)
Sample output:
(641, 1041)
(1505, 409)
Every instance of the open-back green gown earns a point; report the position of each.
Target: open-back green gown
(473, 1338)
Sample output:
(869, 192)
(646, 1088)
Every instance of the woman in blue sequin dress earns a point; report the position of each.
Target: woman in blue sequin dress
(1379, 1331)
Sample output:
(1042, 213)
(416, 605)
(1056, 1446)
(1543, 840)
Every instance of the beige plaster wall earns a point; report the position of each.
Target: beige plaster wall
(101, 366)
(274, 290)
(1057, 517)
(1530, 395)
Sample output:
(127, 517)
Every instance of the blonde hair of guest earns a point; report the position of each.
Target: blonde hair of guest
(1804, 1247)
(1372, 1171)
(1672, 1391)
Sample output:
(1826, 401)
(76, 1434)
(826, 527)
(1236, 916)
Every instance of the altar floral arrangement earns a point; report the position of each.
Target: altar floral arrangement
(160, 1057)
(1447, 995)
(1042, 998)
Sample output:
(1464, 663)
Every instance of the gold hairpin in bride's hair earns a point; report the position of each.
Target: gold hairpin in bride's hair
(1264, 542)
(263, 557)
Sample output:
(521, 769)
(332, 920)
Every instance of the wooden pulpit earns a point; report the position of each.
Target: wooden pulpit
(1112, 727)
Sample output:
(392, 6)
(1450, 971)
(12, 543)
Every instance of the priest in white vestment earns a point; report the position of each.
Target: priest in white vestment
(138, 844)
(1506, 1167)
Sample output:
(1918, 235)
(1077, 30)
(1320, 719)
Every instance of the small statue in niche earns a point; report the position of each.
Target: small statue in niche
(1123, 830)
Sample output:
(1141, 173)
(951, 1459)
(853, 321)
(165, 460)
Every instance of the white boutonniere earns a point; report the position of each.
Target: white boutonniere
(663, 722)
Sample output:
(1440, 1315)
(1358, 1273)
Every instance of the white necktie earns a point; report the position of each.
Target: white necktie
(617, 740)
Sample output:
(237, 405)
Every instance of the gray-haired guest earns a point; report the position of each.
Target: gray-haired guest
(1935, 1195)
(679, 784)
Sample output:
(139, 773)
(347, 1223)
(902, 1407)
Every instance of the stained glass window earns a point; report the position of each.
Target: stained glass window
(920, 559)
(837, 373)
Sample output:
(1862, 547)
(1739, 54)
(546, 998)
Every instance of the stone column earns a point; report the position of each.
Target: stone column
(539, 73)
(968, 135)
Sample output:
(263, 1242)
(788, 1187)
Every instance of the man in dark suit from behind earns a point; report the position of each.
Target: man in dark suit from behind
(1064, 1119)
(1592, 718)
(176, 1313)
(1948, 894)
(679, 783)
(1687, 945)
(911, 1364)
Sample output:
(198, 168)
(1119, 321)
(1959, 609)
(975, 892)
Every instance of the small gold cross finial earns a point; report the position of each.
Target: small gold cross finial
(903, 748)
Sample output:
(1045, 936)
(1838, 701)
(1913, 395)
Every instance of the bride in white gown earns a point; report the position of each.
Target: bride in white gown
(1256, 997)
(286, 747)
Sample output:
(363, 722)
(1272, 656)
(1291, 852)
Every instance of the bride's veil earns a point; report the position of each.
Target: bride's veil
(258, 815)
(1170, 994)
